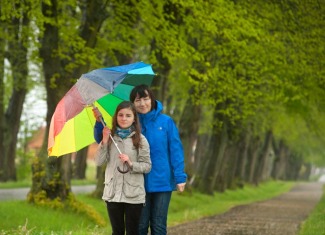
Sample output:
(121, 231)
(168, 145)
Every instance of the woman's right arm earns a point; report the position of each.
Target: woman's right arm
(98, 132)
(98, 128)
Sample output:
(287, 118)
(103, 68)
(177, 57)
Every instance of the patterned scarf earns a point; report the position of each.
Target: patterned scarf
(123, 133)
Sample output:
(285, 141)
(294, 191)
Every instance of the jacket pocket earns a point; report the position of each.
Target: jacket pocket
(109, 189)
(132, 191)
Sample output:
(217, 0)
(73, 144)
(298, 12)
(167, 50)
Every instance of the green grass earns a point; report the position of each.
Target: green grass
(19, 217)
(315, 224)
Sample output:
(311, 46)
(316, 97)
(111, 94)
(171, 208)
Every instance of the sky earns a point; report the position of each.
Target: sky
(34, 112)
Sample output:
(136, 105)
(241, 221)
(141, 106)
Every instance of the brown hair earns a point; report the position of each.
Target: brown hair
(136, 138)
(143, 91)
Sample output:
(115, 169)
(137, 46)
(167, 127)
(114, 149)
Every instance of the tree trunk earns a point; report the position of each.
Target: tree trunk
(52, 176)
(218, 179)
(201, 157)
(53, 180)
(233, 156)
(266, 158)
(254, 152)
(188, 129)
(210, 169)
(65, 169)
(243, 151)
(10, 127)
(293, 167)
(58, 170)
(80, 164)
(58, 177)
(281, 160)
(204, 171)
(2, 104)
(98, 193)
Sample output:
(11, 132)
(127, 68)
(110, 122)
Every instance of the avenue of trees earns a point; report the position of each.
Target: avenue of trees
(243, 79)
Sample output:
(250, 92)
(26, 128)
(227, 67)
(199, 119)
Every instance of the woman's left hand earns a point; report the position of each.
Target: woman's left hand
(181, 187)
(125, 158)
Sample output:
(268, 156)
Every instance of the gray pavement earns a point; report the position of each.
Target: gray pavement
(21, 193)
(281, 215)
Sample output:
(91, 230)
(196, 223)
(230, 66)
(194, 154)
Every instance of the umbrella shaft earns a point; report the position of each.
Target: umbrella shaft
(115, 144)
(102, 121)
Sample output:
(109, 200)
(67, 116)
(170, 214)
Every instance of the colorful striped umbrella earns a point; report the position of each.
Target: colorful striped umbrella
(72, 124)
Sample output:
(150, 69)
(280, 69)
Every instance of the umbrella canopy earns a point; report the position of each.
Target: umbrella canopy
(72, 124)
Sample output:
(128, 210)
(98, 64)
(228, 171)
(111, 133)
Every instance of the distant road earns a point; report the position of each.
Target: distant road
(21, 193)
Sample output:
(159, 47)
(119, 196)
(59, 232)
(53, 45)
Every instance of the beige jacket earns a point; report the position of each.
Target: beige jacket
(129, 187)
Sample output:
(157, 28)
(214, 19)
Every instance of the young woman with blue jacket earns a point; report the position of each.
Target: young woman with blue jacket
(167, 157)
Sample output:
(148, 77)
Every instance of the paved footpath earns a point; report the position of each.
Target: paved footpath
(281, 215)
(21, 193)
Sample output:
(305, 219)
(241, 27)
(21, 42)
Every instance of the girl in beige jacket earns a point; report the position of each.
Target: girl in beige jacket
(124, 191)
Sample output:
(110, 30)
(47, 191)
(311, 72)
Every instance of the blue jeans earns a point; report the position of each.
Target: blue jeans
(154, 214)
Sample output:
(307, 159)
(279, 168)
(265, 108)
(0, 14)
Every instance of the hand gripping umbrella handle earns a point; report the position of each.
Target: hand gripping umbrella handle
(102, 121)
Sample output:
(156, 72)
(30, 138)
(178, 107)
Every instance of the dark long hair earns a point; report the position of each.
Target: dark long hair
(136, 138)
(143, 91)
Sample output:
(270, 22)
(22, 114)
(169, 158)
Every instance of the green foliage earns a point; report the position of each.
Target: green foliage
(314, 225)
(257, 64)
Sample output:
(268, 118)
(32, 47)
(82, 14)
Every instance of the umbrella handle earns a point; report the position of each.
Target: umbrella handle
(124, 171)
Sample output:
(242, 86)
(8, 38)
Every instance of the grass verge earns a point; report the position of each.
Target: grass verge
(315, 223)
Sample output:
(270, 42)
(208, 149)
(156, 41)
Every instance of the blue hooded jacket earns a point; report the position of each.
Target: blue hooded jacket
(166, 150)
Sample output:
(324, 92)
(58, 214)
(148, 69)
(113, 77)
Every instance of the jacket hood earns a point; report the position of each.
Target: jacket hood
(153, 114)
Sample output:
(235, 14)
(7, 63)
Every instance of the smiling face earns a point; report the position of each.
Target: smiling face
(143, 104)
(125, 118)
